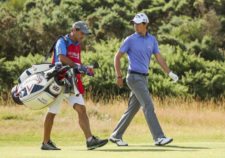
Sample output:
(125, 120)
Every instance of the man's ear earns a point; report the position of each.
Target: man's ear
(73, 30)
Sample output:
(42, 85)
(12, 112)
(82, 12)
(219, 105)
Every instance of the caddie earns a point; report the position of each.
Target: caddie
(67, 50)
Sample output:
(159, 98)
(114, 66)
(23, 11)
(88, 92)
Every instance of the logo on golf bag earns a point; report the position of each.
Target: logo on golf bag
(42, 100)
(55, 89)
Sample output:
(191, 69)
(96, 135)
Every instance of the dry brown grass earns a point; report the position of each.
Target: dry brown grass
(179, 119)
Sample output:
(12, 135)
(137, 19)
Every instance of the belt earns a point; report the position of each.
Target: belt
(135, 72)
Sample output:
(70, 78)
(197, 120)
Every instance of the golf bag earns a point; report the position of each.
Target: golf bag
(40, 85)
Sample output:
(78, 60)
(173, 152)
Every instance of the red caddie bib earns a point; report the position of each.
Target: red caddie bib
(74, 53)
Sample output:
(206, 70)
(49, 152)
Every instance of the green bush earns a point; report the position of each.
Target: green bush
(191, 36)
(11, 70)
(198, 78)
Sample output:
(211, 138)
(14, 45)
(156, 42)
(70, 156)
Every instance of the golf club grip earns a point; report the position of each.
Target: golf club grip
(95, 65)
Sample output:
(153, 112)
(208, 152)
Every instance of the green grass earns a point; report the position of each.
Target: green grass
(198, 129)
(177, 150)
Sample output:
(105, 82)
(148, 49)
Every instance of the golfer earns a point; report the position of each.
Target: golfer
(139, 47)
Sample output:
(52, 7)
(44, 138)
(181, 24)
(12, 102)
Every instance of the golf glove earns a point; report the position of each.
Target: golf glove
(173, 76)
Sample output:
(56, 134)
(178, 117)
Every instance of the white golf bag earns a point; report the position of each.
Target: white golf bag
(40, 85)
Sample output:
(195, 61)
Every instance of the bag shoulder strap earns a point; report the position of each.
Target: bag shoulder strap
(51, 50)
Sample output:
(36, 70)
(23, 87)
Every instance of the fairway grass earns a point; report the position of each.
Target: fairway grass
(198, 129)
(175, 150)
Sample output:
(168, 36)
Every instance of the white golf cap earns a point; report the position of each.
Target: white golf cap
(139, 18)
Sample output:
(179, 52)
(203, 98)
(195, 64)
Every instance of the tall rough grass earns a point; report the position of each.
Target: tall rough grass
(182, 120)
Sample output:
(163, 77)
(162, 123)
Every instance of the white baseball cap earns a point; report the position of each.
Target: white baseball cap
(139, 18)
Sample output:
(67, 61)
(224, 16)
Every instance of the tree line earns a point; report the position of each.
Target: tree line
(191, 35)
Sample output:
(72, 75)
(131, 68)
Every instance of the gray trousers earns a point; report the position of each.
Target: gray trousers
(139, 97)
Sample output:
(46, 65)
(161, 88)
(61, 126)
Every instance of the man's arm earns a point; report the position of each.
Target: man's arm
(164, 66)
(119, 77)
(162, 63)
(65, 60)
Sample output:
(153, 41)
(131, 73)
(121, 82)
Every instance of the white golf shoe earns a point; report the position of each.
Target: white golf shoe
(163, 141)
(118, 142)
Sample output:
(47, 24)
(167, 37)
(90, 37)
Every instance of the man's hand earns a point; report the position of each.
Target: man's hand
(81, 69)
(173, 76)
(119, 81)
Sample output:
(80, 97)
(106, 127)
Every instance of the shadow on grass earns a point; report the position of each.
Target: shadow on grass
(152, 148)
(186, 147)
(171, 146)
(142, 150)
